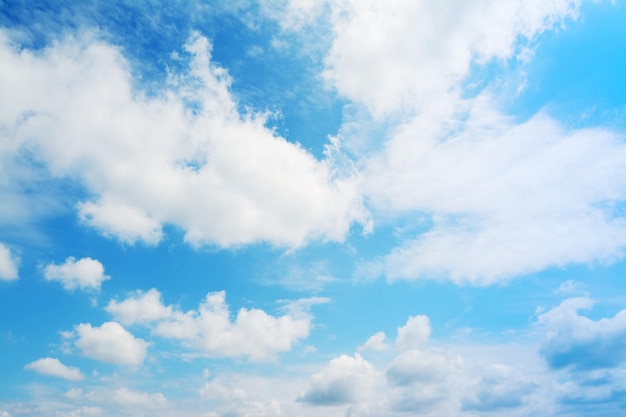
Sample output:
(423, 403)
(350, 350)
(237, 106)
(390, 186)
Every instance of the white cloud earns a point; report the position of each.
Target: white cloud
(253, 333)
(110, 343)
(579, 343)
(496, 198)
(344, 380)
(221, 176)
(85, 274)
(85, 411)
(376, 342)
(503, 199)
(8, 264)
(141, 308)
(499, 388)
(414, 333)
(129, 398)
(418, 366)
(405, 54)
(54, 367)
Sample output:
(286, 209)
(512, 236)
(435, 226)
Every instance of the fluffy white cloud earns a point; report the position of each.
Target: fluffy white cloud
(577, 342)
(503, 199)
(414, 333)
(406, 54)
(8, 264)
(110, 343)
(376, 342)
(344, 380)
(85, 273)
(54, 367)
(494, 198)
(141, 308)
(417, 366)
(253, 333)
(185, 156)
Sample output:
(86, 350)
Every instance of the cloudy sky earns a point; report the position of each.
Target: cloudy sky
(359, 208)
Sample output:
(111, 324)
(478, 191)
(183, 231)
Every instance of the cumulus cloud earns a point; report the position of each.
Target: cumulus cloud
(497, 198)
(8, 264)
(500, 388)
(414, 333)
(414, 366)
(221, 176)
(344, 380)
(375, 342)
(580, 343)
(54, 367)
(253, 333)
(110, 343)
(410, 54)
(84, 274)
(141, 308)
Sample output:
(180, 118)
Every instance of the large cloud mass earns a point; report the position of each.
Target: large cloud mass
(185, 157)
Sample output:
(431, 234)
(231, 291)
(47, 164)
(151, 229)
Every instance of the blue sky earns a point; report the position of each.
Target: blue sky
(303, 208)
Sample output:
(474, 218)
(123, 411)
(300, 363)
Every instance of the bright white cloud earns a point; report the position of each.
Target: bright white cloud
(8, 264)
(497, 198)
(406, 54)
(417, 366)
(129, 398)
(376, 342)
(414, 333)
(110, 343)
(84, 274)
(504, 199)
(141, 308)
(344, 380)
(54, 367)
(253, 333)
(577, 342)
(222, 176)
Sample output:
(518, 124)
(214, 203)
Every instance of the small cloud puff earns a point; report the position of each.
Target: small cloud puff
(84, 274)
(110, 343)
(54, 367)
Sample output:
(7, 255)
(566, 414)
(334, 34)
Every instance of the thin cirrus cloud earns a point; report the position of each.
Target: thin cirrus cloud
(222, 176)
(84, 274)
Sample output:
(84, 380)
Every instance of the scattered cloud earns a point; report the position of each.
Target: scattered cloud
(54, 367)
(503, 199)
(376, 342)
(253, 333)
(420, 51)
(221, 176)
(499, 389)
(344, 380)
(110, 343)
(414, 333)
(8, 264)
(577, 342)
(141, 308)
(84, 274)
